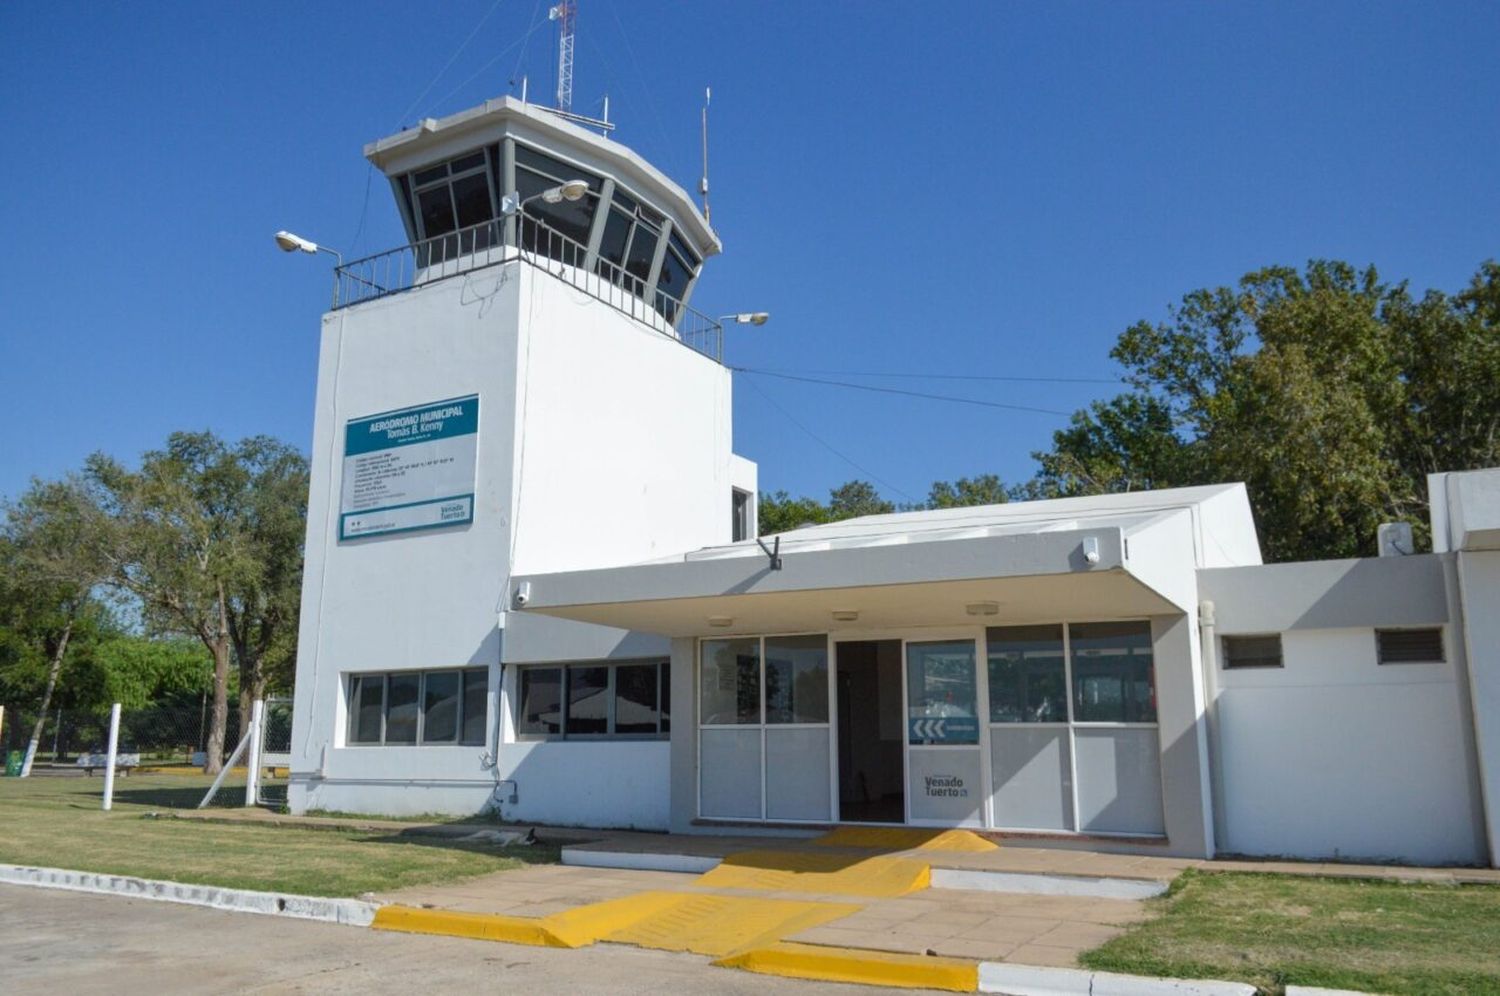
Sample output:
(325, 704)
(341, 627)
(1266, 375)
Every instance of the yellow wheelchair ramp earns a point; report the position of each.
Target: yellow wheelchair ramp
(906, 839)
(876, 876)
(719, 926)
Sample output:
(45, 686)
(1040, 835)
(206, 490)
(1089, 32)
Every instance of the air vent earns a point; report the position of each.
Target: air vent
(1252, 651)
(1409, 646)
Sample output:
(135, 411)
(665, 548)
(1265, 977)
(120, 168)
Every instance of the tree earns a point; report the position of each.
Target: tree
(986, 489)
(780, 512)
(53, 556)
(184, 545)
(1328, 392)
(856, 498)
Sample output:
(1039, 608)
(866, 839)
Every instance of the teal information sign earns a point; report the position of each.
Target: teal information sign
(412, 468)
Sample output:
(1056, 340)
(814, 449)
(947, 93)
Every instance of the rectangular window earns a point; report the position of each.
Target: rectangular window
(635, 699)
(796, 679)
(1114, 678)
(588, 702)
(1252, 651)
(368, 698)
(401, 695)
(540, 709)
(418, 707)
(731, 682)
(1409, 646)
(592, 701)
(475, 705)
(941, 685)
(740, 504)
(440, 707)
(1028, 679)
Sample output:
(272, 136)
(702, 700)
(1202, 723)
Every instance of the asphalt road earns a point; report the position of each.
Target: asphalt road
(75, 943)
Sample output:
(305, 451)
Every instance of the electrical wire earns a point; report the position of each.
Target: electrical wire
(449, 64)
(941, 376)
(535, 24)
(826, 444)
(954, 399)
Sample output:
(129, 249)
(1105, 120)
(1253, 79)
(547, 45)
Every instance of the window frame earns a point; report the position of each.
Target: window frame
(355, 680)
(1226, 658)
(663, 667)
(414, 189)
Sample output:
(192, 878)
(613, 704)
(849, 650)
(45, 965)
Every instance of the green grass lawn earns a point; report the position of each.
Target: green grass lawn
(57, 822)
(1275, 930)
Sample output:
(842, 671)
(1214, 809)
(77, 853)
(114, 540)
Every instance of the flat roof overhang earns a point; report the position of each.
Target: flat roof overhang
(1033, 577)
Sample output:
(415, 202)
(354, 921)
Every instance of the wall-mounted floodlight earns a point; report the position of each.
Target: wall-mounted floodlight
(747, 318)
(295, 243)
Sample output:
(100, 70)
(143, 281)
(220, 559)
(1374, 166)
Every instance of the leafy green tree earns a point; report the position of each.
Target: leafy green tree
(779, 512)
(1328, 392)
(986, 489)
(201, 538)
(53, 554)
(856, 498)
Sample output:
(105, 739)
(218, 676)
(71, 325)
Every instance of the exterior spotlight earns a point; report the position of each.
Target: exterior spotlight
(845, 615)
(982, 608)
(747, 318)
(720, 622)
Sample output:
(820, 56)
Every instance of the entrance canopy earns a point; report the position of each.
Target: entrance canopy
(1125, 556)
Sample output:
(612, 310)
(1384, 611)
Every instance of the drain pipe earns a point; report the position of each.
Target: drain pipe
(1207, 626)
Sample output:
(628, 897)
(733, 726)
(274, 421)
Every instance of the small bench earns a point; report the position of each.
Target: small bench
(123, 762)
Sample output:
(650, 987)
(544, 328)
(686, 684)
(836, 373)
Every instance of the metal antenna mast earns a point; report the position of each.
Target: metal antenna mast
(708, 95)
(566, 16)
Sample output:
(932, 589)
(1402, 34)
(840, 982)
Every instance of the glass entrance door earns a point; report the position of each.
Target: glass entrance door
(944, 764)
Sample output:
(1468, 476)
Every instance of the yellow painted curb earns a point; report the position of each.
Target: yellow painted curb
(877, 876)
(479, 926)
(875, 968)
(596, 921)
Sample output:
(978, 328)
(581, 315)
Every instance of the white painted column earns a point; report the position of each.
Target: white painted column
(109, 763)
(252, 774)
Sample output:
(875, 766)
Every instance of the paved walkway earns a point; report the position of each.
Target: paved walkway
(82, 945)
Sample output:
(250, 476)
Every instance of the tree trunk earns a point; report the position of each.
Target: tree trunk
(53, 670)
(213, 761)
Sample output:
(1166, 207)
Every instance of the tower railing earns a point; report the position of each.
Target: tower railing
(529, 240)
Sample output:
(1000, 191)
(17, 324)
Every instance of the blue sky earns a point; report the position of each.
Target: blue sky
(986, 189)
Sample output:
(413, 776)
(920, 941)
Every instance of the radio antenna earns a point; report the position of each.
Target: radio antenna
(708, 95)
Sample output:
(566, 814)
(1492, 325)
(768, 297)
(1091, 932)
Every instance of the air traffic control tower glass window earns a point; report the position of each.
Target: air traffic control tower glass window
(451, 197)
(536, 172)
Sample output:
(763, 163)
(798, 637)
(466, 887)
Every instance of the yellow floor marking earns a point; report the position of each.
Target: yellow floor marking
(878, 968)
(906, 839)
(722, 925)
(480, 926)
(878, 876)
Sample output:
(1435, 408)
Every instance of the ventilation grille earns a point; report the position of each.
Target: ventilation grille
(1409, 646)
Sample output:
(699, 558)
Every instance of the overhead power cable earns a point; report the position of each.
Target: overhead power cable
(953, 399)
(827, 445)
(449, 64)
(946, 376)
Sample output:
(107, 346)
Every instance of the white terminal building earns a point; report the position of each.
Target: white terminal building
(533, 583)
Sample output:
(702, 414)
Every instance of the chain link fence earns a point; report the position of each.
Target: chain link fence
(154, 740)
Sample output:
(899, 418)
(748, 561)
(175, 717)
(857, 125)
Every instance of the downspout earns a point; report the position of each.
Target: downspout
(1207, 625)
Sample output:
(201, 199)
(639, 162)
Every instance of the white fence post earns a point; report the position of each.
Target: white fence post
(252, 775)
(109, 765)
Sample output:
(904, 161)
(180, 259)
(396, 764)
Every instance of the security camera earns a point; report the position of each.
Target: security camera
(523, 593)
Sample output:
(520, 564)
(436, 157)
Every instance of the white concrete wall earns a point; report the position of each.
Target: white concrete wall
(600, 443)
(1479, 581)
(622, 437)
(1336, 756)
(408, 601)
